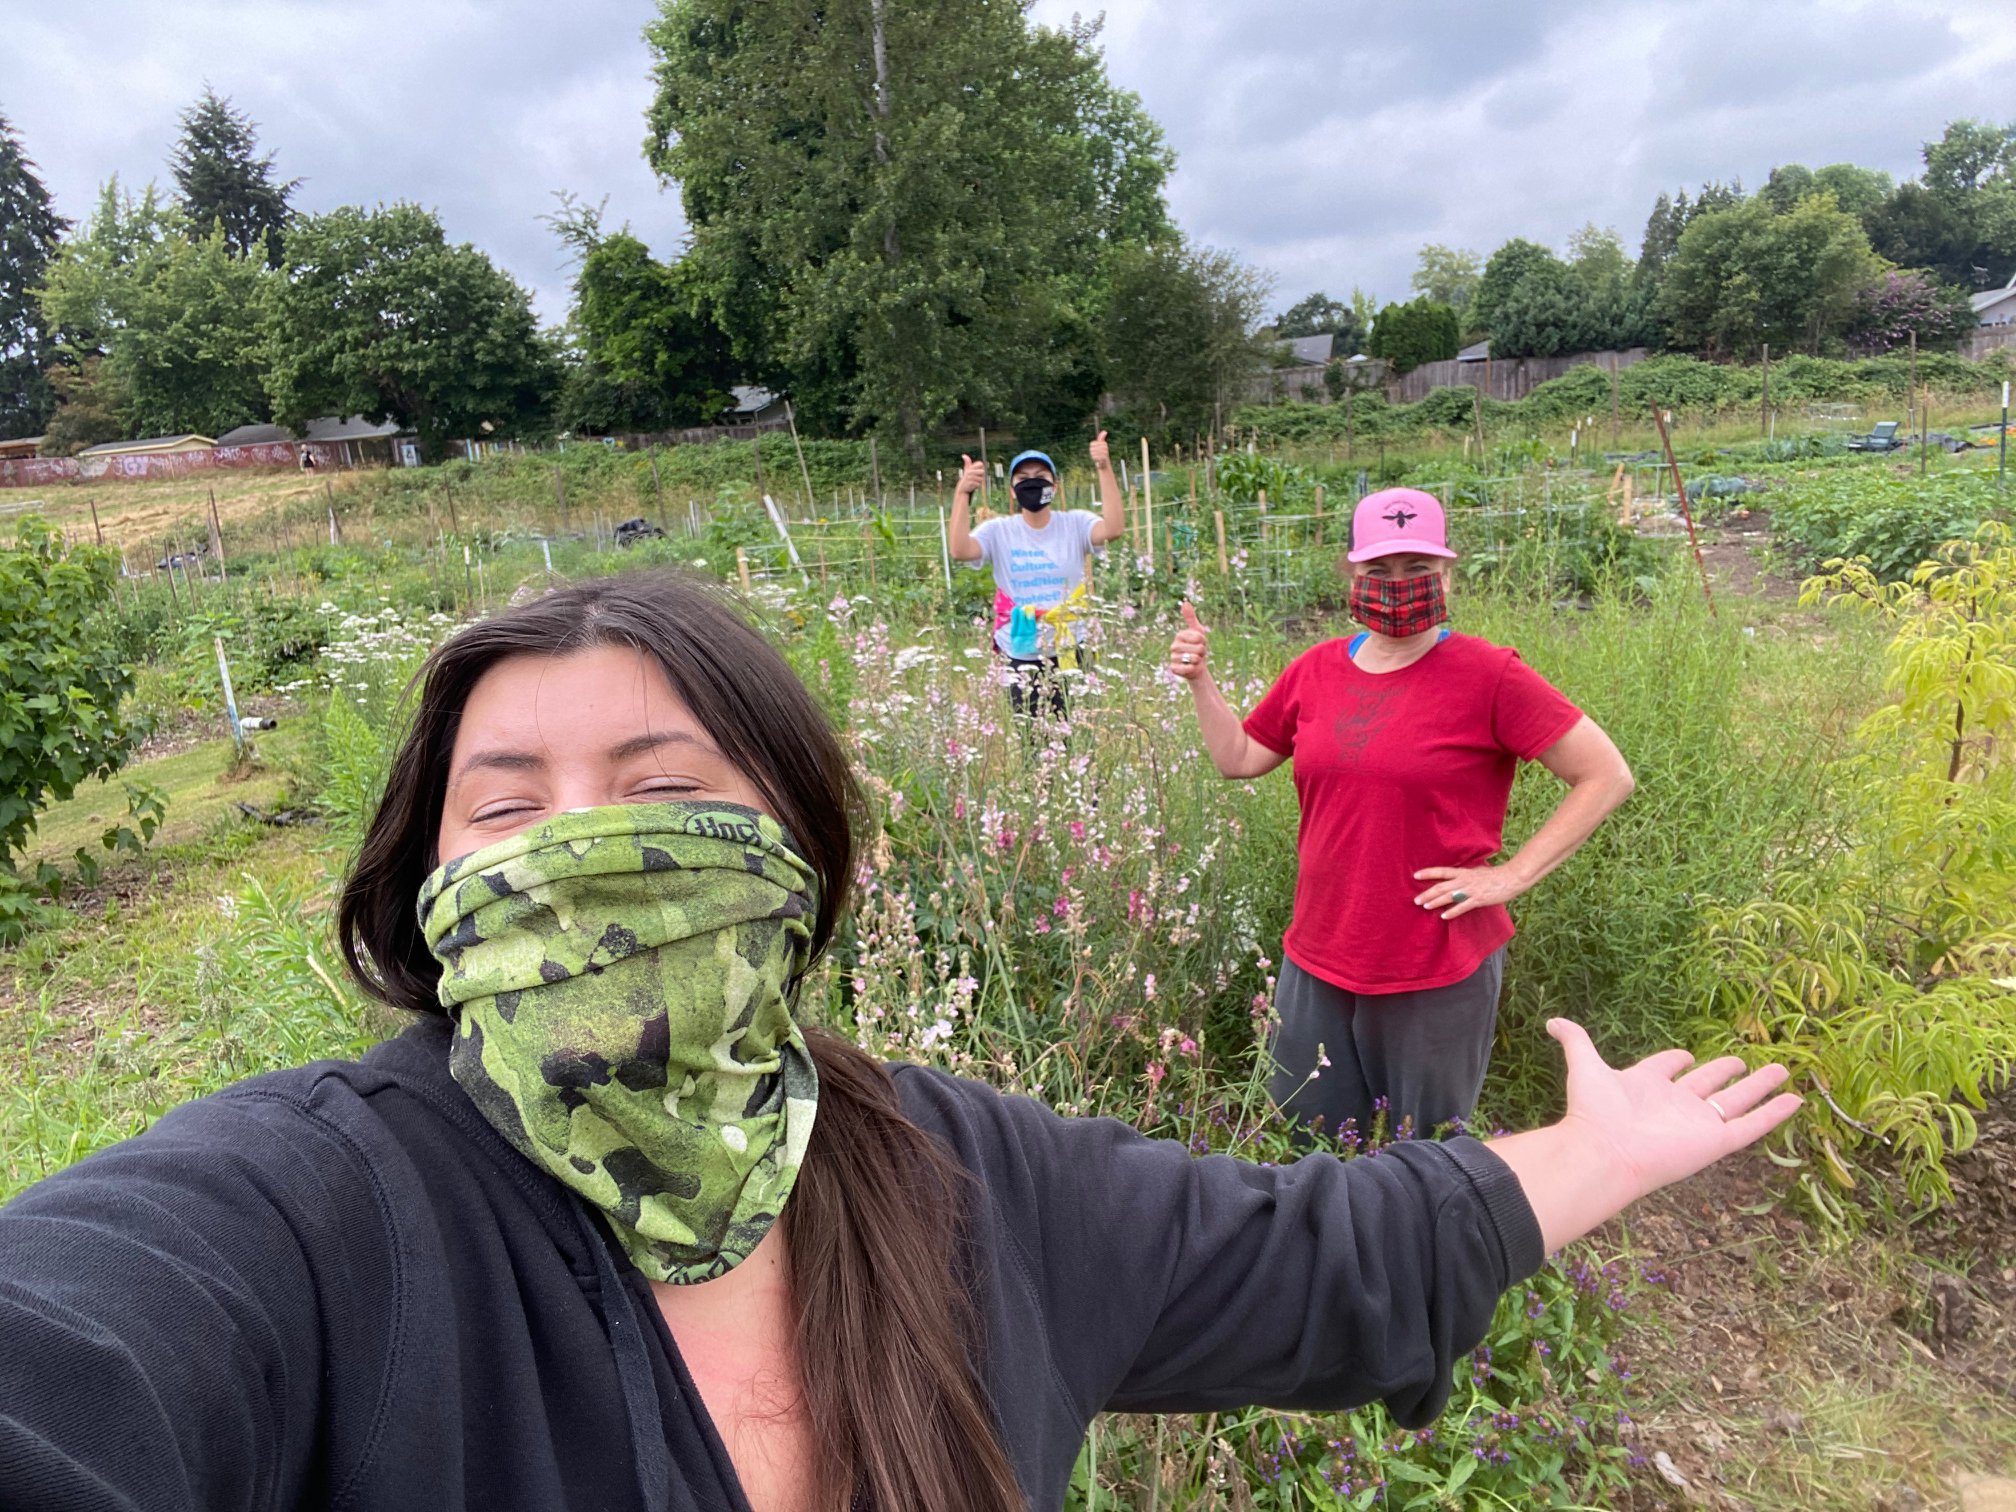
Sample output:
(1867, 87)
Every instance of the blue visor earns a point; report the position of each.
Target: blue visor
(1033, 456)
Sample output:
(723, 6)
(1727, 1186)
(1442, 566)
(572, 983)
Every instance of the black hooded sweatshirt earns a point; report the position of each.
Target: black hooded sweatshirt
(338, 1287)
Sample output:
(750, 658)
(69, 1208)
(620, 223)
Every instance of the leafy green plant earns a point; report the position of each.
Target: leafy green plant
(62, 683)
(1895, 523)
(1882, 969)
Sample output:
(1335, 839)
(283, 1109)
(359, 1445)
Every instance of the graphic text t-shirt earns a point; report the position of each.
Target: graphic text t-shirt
(1035, 567)
(1397, 771)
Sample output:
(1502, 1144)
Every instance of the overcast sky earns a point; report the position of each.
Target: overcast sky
(1323, 142)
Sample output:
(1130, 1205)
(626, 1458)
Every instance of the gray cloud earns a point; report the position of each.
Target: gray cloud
(1323, 142)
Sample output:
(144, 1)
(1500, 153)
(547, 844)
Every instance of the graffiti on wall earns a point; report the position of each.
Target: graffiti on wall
(30, 472)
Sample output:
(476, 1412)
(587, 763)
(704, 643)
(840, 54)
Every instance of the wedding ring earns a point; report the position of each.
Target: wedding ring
(1187, 660)
(1717, 1107)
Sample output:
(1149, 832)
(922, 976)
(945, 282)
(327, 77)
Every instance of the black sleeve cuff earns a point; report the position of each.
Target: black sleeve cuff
(1504, 1200)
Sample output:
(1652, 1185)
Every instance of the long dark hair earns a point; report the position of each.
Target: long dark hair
(888, 1336)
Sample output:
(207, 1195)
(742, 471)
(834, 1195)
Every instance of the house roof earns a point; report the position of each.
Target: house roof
(145, 444)
(1479, 352)
(1988, 298)
(752, 399)
(29, 444)
(350, 428)
(255, 435)
(1313, 350)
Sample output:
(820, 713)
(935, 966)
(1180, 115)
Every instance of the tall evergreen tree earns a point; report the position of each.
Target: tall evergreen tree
(224, 181)
(29, 230)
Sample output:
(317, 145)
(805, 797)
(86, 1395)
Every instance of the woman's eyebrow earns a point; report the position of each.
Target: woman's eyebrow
(510, 761)
(638, 745)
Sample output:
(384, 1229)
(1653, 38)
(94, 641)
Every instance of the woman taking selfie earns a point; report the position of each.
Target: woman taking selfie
(610, 1226)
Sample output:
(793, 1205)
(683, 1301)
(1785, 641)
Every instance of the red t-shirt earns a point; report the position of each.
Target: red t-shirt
(1397, 771)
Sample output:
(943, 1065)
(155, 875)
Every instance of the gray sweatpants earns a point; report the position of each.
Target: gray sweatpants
(1424, 1052)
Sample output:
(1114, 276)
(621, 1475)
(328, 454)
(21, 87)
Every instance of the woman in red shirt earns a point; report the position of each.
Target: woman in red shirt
(1405, 739)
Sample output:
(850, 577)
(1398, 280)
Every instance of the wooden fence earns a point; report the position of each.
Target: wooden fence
(1986, 341)
(1506, 378)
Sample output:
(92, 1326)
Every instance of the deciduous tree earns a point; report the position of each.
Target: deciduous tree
(377, 314)
(1176, 328)
(179, 321)
(1748, 275)
(1448, 275)
(893, 205)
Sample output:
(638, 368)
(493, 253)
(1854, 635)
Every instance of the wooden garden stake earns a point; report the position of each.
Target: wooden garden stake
(1263, 516)
(875, 471)
(97, 529)
(1680, 488)
(216, 534)
(742, 569)
(805, 473)
(1224, 562)
(454, 517)
(1148, 501)
(658, 488)
(335, 530)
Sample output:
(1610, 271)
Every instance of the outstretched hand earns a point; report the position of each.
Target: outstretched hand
(1188, 650)
(1627, 1133)
(1666, 1118)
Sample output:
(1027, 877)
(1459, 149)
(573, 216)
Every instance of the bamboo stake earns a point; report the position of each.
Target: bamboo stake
(1224, 562)
(811, 503)
(1148, 502)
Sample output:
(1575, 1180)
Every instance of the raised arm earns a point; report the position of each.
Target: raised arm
(1235, 753)
(1112, 524)
(959, 529)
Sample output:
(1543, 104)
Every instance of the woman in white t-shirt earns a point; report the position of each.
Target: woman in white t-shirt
(1038, 558)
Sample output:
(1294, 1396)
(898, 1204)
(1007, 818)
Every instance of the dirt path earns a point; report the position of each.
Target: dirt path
(1791, 1368)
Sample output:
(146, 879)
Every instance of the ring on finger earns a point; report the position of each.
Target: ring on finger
(1717, 1107)
(1459, 896)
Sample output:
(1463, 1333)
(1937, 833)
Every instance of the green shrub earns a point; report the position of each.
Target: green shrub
(1895, 522)
(62, 685)
(1881, 966)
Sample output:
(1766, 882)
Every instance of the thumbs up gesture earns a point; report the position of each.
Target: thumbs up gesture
(1102, 456)
(971, 476)
(1187, 651)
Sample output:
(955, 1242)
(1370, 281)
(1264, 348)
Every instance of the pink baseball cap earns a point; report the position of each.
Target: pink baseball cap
(1394, 520)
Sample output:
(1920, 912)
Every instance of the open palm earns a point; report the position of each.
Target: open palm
(1666, 1118)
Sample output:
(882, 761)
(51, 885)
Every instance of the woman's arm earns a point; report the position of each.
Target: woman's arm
(1112, 502)
(1235, 753)
(1628, 1133)
(959, 542)
(1598, 780)
(1175, 1284)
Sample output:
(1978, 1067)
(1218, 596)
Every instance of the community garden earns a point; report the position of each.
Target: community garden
(1819, 866)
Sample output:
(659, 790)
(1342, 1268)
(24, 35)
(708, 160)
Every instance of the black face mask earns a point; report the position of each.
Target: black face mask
(1033, 494)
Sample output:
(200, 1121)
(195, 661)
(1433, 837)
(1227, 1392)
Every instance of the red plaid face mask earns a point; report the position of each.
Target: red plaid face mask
(1399, 607)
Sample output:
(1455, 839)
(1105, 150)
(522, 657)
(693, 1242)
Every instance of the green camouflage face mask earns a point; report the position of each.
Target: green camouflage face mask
(620, 974)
